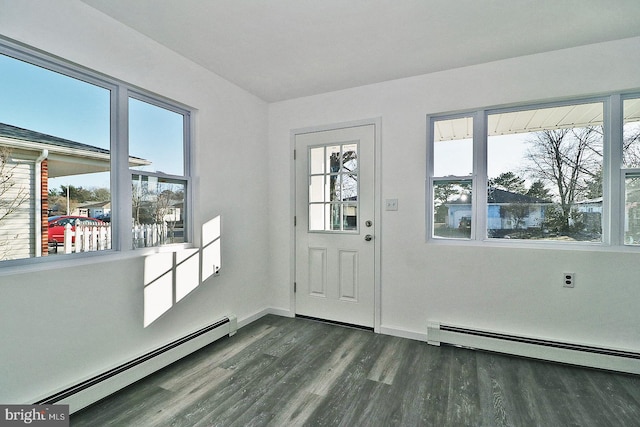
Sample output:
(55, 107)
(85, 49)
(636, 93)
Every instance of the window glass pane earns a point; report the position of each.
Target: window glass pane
(452, 208)
(316, 189)
(632, 210)
(453, 147)
(156, 138)
(350, 157)
(350, 187)
(333, 159)
(350, 216)
(157, 210)
(336, 223)
(55, 161)
(316, 217)
(316, 160)
(631, 133)
(334, 188)
(545, 173)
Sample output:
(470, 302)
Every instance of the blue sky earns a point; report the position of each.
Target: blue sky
(40, 100)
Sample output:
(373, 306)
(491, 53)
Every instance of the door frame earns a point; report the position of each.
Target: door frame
(377, 206)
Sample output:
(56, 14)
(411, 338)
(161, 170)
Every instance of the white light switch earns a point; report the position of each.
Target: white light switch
(391, 204)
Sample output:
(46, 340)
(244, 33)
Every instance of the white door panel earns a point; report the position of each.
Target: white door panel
(335, 271)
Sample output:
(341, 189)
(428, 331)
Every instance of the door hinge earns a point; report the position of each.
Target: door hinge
(294, 154)
(295, 221)
(295, 287)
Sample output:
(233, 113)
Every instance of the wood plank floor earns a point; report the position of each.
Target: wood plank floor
(287, 372)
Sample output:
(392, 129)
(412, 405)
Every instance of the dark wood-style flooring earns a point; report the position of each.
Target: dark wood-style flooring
(286, 372)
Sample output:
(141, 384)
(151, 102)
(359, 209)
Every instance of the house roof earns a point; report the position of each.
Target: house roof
(497, 196)
(100, 204)
(15, 132)
(66, 157)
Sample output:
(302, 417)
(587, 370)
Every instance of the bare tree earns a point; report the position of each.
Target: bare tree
(631, 145)
(568, 160)
(137, 195)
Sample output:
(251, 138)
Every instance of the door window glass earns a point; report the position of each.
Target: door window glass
(333, 187)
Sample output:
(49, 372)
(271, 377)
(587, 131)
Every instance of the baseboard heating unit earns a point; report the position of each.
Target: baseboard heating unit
(102, 385)
(574, 354)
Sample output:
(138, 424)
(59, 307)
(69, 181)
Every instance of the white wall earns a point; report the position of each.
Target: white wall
(512, 290)
(60, 325)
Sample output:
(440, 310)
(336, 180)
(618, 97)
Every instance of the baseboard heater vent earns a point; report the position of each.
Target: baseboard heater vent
(555, 351)
(102, 385)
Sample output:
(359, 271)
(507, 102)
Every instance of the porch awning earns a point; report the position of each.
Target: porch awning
(577, 115)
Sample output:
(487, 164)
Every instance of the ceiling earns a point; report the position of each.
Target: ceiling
(283, 49)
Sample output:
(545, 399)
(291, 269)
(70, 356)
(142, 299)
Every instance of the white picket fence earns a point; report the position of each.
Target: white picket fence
(89, 238)
(146, 235)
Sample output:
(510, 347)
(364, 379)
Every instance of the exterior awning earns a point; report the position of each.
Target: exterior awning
(65, 157)
(569, 116)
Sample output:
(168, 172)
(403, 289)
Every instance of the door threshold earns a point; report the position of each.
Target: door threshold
(335, 322)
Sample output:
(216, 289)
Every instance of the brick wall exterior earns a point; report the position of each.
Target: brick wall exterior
(44, 215)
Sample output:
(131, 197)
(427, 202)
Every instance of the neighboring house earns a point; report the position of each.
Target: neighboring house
(32, 159)
(174, 213)
(505, 211)
(93, 209)
(591, 210)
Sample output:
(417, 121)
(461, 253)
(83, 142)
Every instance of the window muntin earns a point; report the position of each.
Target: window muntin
(158, 203)
(544, 170)
(333, 188)
(54, 155)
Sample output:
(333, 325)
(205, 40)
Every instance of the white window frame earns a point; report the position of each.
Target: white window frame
(120, 173)
(613, 179)
(185, 178)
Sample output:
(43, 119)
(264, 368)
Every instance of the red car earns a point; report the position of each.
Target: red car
(57, 224)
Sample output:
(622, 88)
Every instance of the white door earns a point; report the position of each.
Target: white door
(335, 268)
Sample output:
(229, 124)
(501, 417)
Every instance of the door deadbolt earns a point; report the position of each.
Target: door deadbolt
(368, 223)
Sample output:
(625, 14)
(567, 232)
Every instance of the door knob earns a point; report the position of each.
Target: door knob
(368, 237)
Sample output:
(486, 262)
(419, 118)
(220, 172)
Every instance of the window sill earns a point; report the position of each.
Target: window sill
(523, 244)
(56, 262)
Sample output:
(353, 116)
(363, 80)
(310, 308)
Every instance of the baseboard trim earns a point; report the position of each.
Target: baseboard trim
(535, 348)
(403, 333)
(261, 313)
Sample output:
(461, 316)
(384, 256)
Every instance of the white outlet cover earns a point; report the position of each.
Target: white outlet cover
(569, 280)
(391, 204)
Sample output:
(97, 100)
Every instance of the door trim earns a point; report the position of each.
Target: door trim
(377, 202)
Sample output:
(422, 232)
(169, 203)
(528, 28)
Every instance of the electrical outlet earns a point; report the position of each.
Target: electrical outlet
(569, 280)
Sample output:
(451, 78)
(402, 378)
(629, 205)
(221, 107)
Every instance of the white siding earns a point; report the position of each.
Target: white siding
(17, 230)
